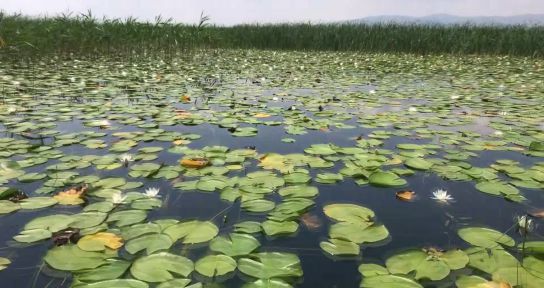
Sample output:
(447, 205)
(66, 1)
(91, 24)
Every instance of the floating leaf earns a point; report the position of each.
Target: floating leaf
(72, 196)
(71, 258)
(418, 163)
(159, 267)
(127, 217)
(358, 232)
(298, 191)
(340, 247)
(386, 179)
(4, 262)
(37, 202)
(7, 207)
(430, 264)
(267, 283)
(405, 195)
(192, 232)
(113, 269)
(496, 188)
(272, 228)
(235, 244)
(485, 237)
(151, 243)
(258, 205)
(195, 162)
(268, 265)
(215, 265)
(100, 241)
(389, 281)
(348, 213)
(125, 283)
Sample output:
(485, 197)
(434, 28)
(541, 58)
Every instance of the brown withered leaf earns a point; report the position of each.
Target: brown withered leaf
(406, 195)
(72, 196)
(311, 222)
(538, 213)
(195, 162)
(66, 236)
(185, 99)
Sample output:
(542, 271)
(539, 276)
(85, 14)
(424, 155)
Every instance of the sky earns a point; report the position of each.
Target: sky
(228, 12)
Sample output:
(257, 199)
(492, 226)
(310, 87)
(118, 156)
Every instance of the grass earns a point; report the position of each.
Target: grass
(86, 35)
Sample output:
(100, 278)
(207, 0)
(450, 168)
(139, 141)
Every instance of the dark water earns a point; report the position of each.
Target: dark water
(421, 223)
(416, 224)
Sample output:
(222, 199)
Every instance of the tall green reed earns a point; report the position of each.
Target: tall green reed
(87, 35)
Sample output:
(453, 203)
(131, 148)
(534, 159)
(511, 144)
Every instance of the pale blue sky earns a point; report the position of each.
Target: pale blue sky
(251, 11)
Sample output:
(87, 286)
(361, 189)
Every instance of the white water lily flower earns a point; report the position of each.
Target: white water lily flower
(442, 196)
(125, 158)
(454, 97)
(275, 98)
(152, 192)
(503, 113)
(293, 107)
(412, 109)
(72, 79)
(372, 91)
(524, 224)
(498, 133)
(118, 198)
(104, 123)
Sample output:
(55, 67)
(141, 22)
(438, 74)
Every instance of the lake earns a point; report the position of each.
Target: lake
(273, 169)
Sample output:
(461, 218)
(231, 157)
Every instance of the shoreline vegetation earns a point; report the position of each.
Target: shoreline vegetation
(85, 35)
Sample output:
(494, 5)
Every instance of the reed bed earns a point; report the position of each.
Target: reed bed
(84, 34)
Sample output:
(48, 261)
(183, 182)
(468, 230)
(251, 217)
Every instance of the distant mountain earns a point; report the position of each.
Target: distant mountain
(447, 19)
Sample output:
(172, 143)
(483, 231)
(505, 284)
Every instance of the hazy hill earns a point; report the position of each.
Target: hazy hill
(447, 19)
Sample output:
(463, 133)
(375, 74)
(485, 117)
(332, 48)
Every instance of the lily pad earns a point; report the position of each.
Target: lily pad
(340, 247)
(215, 265)
(269, 265)
(71, 258)
(192, 232)
(485, 237)
(430, 264)
(161, 267)
(235, 244)
(386, 179)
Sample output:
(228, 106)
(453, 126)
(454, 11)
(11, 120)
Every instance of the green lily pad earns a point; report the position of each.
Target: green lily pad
(348, 212)
(485, 237)
(358, 232)
(71, 258)
(418, 164)
(192, 232)
(269, 265)
(272, 228)
(4, 262)
(151, 243)
(497, 188)
(37, 202)
(340, 247)
(386, 179)
(258, 205)
(113, 269)
(235, 244)
(7, 207)
(215, 265)
(299, 191)
(160, 267)
(389, 281)
(127, 217)
(116, 283)
(430, 264)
